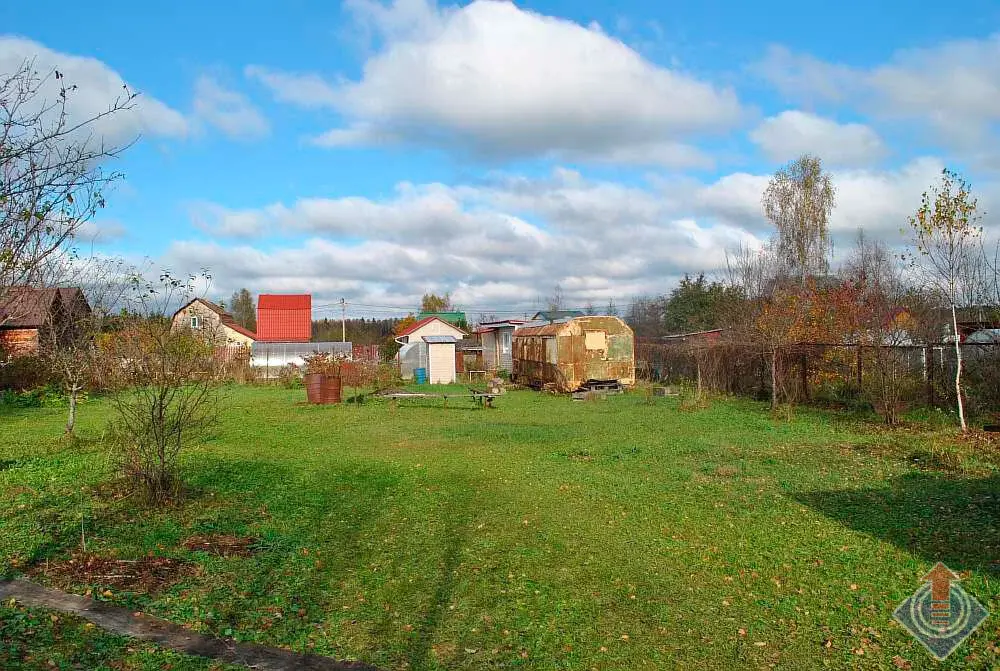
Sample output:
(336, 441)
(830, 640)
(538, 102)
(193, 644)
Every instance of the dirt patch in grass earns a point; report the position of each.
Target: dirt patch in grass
(146, 574)
(222, 545)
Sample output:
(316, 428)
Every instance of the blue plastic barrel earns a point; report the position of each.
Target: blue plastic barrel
(420, 375)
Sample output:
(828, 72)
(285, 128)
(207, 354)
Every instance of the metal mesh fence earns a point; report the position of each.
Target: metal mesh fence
(904, 376)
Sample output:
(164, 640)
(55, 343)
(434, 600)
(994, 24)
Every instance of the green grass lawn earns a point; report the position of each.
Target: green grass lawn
(542, 534)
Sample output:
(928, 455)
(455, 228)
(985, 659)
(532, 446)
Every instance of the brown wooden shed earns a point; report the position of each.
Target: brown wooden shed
(565, 354)
(32, 319)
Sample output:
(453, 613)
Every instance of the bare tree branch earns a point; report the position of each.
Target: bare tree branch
(52, 178)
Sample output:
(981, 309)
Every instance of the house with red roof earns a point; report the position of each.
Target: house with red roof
(431, 344)
(429, 326)
(284, 318)
(209, 319)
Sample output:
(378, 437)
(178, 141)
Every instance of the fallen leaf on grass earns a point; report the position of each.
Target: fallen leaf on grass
(901, 663)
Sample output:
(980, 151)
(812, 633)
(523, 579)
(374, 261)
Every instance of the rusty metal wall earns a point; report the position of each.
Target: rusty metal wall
(556, 355)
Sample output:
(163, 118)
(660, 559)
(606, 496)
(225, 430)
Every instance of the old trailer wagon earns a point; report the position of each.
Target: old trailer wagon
(566, 354)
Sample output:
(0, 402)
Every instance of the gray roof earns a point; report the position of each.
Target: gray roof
(985, 336)
(440, 340)
(554, 315)
(469, 345)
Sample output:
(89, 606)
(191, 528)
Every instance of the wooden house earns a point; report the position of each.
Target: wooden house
(32, 319)
(210, 320)
(498, 344)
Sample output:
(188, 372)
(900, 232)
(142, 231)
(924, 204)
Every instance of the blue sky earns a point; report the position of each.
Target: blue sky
(381, 150)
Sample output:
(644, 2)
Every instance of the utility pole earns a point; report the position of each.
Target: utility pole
(343, 320)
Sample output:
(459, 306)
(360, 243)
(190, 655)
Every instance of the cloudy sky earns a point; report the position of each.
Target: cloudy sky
(376, 151)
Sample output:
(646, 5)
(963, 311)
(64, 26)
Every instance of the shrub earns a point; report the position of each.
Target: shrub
(388, 348)
(166, 386)
(370, 374)
(24, 373)
(166, 394)
(290, 376)
(323, 363)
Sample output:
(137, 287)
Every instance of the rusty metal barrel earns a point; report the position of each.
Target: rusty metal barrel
(332, 387)
(323, 389)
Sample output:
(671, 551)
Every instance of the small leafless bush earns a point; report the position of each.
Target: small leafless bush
(324, 363)
(166, 391)
(290, 376)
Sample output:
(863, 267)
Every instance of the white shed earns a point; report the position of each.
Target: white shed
(440, 358)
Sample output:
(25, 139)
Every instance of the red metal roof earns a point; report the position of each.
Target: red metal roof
(415, 325)
(426, 320)
(285, 301)
(284, 318)
(228, 321)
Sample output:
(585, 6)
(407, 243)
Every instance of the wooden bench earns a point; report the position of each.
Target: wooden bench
(481, 399)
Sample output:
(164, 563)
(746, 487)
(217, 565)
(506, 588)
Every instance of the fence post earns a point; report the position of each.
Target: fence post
(859, 369)
(929, 374)
(804, 374)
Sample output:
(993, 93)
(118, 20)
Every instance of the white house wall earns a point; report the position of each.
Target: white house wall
(435, 328)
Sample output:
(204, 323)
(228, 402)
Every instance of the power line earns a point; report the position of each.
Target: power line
(508, 309)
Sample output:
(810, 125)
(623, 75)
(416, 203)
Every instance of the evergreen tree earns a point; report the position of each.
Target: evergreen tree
(243, 309)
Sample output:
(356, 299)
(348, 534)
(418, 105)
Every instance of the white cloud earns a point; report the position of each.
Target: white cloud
(228, 110)
(507, 241)
(954, 87)
(881, 202)
(793, 133)
(97, 87)
(305, 89)
(877, 200)
(498, 81)
(806, 78)
(734, 198)
(672, 154)
(99, 232)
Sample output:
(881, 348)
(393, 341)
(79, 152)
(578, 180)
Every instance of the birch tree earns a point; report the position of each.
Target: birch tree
(946, 238)
(798, 201)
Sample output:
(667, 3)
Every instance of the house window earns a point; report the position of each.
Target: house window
(195, 322)
(505, 342)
